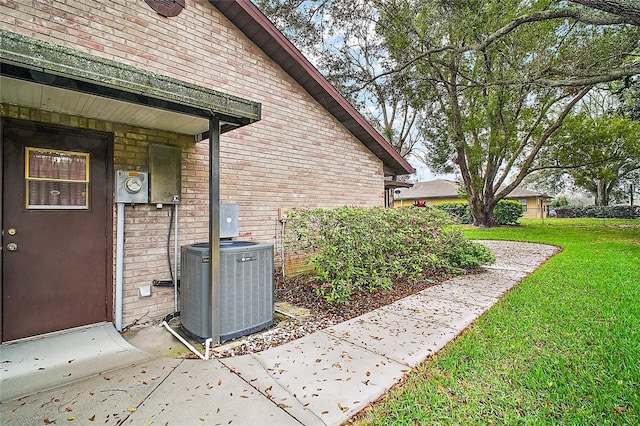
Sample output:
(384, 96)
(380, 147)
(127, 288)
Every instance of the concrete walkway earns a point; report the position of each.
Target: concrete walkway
(321, 379)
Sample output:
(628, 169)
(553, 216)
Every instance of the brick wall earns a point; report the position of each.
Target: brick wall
(298, 155)
(146, 227)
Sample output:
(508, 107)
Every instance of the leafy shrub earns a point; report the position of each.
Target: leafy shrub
(618, 212)
(559, 202)
(354, 248)
(459, 211)
(507, 212)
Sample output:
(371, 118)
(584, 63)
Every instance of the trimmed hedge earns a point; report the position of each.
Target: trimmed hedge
(458, 211)
(613, 212)
(506, 212)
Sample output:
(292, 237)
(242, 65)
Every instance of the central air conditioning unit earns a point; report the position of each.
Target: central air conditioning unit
(246, 290)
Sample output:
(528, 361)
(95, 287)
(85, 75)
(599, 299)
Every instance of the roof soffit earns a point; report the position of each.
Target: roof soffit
(45, 63)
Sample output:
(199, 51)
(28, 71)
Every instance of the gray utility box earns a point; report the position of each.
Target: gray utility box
(246, 290)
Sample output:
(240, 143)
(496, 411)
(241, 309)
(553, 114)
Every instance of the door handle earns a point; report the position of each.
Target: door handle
(12, 247)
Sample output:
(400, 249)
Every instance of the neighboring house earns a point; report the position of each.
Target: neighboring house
(445, 191)
(430, 192)
(208, 97)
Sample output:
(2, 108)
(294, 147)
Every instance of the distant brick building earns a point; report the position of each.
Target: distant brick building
(96, 84)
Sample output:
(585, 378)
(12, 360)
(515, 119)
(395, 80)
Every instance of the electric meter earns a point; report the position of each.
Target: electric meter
(132, 187)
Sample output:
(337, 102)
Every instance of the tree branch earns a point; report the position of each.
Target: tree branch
(577, 15)
(590, 80)
(572, 166)
(524, 170)
(628, 10)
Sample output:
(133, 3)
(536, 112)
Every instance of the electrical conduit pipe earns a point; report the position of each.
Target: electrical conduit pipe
(175, 262)
(119, 263)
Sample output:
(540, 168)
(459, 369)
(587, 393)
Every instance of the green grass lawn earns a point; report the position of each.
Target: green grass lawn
(563, 347)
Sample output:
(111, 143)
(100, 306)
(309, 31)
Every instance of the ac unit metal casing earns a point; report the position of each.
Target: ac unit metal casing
(246, 289)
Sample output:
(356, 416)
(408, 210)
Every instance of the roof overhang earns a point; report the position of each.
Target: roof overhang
(38, 74)
(248, 18)
(394, 184)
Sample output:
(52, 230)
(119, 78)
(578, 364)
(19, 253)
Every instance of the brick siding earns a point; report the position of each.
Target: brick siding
(298, 155)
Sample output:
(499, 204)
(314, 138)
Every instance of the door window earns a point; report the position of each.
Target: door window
(56, 179)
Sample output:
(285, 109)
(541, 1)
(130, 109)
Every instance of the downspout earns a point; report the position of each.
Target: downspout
(119, 263)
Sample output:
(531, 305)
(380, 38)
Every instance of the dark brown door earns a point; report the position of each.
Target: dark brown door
(56, 221)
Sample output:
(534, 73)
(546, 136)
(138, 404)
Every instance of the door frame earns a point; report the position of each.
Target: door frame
(108, 139)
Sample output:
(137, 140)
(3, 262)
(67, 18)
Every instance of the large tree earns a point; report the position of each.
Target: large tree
(505, 74)
(495, 78)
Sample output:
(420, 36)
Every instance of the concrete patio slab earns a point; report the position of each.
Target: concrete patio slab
(108, 398)
(207, 392)
(250, 369)
(332, 378)
(429, 307)
(44, 362)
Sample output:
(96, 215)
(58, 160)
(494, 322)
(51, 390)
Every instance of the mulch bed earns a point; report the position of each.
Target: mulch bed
(298, 291)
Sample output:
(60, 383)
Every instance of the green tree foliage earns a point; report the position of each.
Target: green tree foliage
(502, 88)
(561, 201)
(629, 96)
(489, 81)
(606, 150)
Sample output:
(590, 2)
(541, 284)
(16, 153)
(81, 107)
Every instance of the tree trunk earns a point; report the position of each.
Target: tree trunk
(482, 214)
(602, 194)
